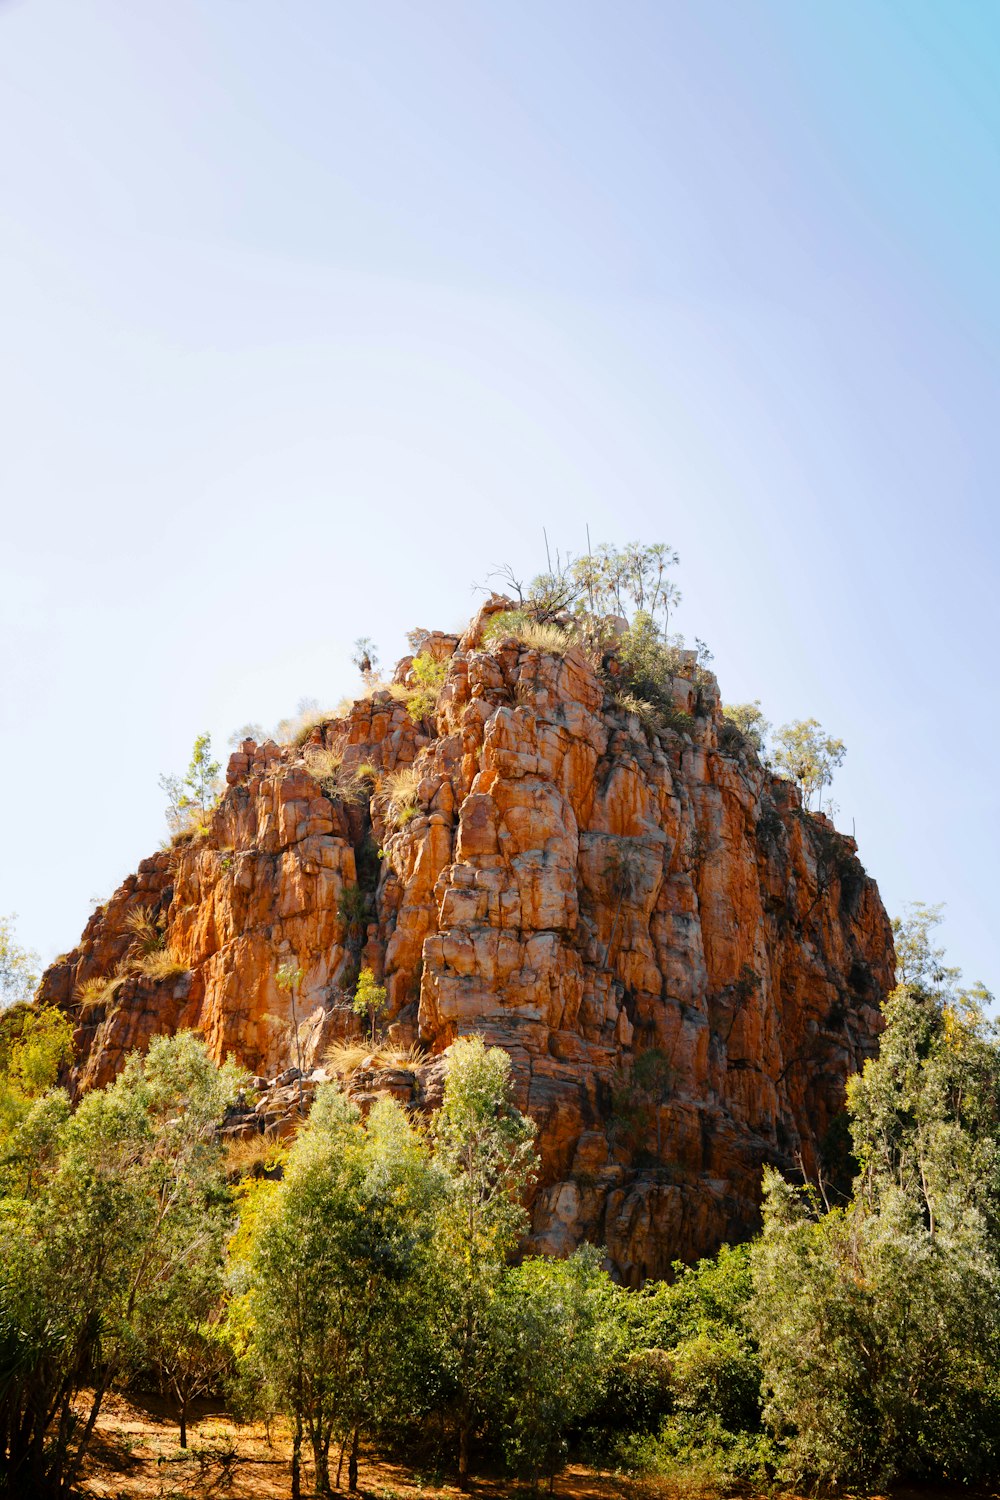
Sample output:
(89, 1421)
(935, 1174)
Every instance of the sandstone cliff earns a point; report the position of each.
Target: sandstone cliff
(568, 884)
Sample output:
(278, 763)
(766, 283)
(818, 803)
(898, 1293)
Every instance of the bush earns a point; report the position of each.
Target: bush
(429, 676)
(647, 664)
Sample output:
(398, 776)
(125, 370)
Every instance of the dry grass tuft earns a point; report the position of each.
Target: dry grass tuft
(158, 965)
(102, 991)
(518, 624)
(398, 791)
(345, 1058)
(145, 929)
(254, 1156)
(326, 767)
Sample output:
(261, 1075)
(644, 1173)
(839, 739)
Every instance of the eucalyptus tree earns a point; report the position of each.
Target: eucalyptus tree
(486, 1149)
(335, 1276)
(100, 1206)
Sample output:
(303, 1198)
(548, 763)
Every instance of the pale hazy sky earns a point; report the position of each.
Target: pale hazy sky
(312, 311)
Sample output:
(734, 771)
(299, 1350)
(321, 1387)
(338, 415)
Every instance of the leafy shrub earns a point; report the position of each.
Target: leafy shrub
(191, 798)
(744, 721)
(429, 675)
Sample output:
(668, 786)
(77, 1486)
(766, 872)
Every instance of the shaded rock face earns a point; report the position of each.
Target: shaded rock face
(562, 884)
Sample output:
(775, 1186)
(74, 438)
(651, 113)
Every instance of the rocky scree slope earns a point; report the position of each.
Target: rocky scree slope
(562, 882)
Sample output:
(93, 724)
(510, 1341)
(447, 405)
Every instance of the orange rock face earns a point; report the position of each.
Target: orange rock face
(561, 883)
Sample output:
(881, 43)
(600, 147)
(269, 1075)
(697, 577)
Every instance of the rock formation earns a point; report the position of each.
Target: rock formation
(573, 886)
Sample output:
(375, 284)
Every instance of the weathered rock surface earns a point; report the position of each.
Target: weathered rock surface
(566, 886)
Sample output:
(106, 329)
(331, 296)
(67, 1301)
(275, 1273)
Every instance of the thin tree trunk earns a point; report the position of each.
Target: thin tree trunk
(352, 1465)
(340, 1460)
(183, 1425)
(297, 1459)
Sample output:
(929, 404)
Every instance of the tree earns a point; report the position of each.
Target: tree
(879, 1324)
(35, 1043)
(370, 1000)
(365, 658)
(926, 1113)
(558, 1338)
(182, 1334)
(879, 1343)
(336, 1276)
(191, 797)
(633, 578)
(750, 721)
(486, 1148)
(99, 1206)
(18, 977)
(288, 977)
(808, 756)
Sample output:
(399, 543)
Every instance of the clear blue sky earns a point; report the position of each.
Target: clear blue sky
(312, 311)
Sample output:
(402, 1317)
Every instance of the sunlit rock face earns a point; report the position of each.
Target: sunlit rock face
(560, 881)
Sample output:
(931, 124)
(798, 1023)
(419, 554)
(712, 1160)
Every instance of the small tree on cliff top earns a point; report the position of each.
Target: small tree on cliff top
(807, 755)
(191, 797)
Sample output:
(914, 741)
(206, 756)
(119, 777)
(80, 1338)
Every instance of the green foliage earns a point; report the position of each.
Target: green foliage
(353, 910)
(486, 1148)
(630, 579)
(557, 1340)
(684, 1393)
(35, 1043)
(879, 1325)
(335, 1275)
(647, 663)
(99, 1209)
(751, 722)
(370, 1000)
(18, 977)
(429, 676)
(808, 756)
(192, 797)
(879, 1344)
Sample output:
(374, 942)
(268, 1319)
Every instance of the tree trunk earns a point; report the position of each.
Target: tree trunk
(297, 1460)
(183, 1425)
(352, 1464)
(321, 1462)
(463, 1455)
(340, 1461)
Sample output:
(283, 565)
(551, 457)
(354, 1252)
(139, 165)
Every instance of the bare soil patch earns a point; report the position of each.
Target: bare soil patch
(136, 1456)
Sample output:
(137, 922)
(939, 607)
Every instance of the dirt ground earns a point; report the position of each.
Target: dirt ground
(136, 1456)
